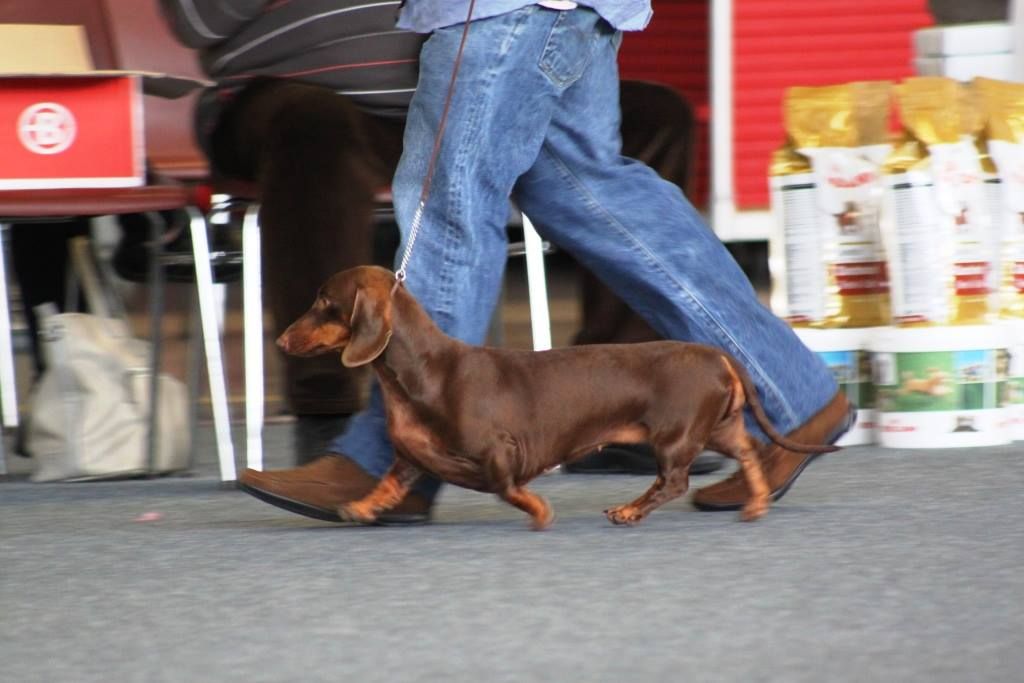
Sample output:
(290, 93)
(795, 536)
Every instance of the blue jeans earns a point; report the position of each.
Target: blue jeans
(536, 117)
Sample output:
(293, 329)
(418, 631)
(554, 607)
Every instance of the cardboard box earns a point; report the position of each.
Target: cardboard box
(964, 39)
(64, 124)
(71, 132)
(966, 67)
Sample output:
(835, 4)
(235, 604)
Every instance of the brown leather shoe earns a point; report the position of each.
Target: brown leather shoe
(317, 489)
(781, 467)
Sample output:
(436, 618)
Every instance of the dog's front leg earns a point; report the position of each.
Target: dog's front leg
(388, 493)
(529, 502)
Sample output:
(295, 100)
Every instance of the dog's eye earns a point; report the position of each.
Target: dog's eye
(326, 304)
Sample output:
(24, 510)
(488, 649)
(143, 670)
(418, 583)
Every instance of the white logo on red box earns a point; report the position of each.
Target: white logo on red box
(46, 128)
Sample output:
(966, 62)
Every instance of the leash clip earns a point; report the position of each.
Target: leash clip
(399, 279)
(438, 137)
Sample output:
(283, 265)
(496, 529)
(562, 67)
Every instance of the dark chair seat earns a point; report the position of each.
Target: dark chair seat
(91, 202)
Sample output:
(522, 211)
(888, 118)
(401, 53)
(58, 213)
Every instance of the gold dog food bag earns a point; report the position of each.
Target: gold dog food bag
(842, 130)
(1003, 107)
(937, 226)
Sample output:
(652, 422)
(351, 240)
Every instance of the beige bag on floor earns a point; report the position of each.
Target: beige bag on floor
(88, 414)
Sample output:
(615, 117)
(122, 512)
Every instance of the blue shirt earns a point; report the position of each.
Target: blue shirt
(423, 16)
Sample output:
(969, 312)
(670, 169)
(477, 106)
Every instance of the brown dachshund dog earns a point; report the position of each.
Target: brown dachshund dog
(493, 419)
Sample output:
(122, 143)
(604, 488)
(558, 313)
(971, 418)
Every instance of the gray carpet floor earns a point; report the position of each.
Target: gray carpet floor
(879, 565)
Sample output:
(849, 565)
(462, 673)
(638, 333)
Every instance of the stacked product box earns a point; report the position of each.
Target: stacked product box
(965, 51)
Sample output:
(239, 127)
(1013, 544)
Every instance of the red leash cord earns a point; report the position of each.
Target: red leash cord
(428, 180)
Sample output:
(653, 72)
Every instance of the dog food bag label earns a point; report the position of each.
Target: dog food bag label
(937, 222)
(964, 210)
(1003, 106)
(992, 189)
(1009, 159)
(841, 129)
(918, 261)
(796, 255)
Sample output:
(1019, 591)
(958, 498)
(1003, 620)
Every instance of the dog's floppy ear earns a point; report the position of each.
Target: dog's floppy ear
(370, 327)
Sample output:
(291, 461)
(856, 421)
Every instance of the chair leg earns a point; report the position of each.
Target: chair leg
(8, 387)
(540, 317)
(3, 459)
(8, 390)
(156, 315)
(192, 375)
(252, 312)
(211, 342)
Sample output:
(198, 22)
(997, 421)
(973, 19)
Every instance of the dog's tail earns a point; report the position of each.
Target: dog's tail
(762, 419)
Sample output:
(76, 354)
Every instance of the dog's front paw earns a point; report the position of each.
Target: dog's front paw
(624, 514)
(543, 520)
(357, 511)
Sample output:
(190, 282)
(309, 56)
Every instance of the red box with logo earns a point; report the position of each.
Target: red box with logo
(71, 131)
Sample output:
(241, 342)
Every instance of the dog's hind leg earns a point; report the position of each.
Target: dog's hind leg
(760, 495)
(736, 442)
(672, 481)
(530, 503)
(388, 493)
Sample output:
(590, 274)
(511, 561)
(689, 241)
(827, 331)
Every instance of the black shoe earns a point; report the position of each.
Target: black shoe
(313, 433)
(21, 439)
(636, 459)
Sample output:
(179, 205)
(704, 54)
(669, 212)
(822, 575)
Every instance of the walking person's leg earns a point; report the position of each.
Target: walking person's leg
(643, 238)
(318, 162)
(500, 111)
(315, 161)
(459, 255)
(544, 106)
(520, 108)
(321, 168)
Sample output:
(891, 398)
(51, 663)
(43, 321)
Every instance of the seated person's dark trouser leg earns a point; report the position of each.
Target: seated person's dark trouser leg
(317, 162)
(39, 256)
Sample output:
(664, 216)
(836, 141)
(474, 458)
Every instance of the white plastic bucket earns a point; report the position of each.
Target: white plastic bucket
(938, 387)
(845, 352)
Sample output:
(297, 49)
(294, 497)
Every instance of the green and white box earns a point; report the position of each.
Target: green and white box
(1010, 369)
(939, 387)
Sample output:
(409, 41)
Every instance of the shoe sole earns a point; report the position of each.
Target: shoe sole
(313, 512)
(695, 470)
(851, 419)
(617, 460)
